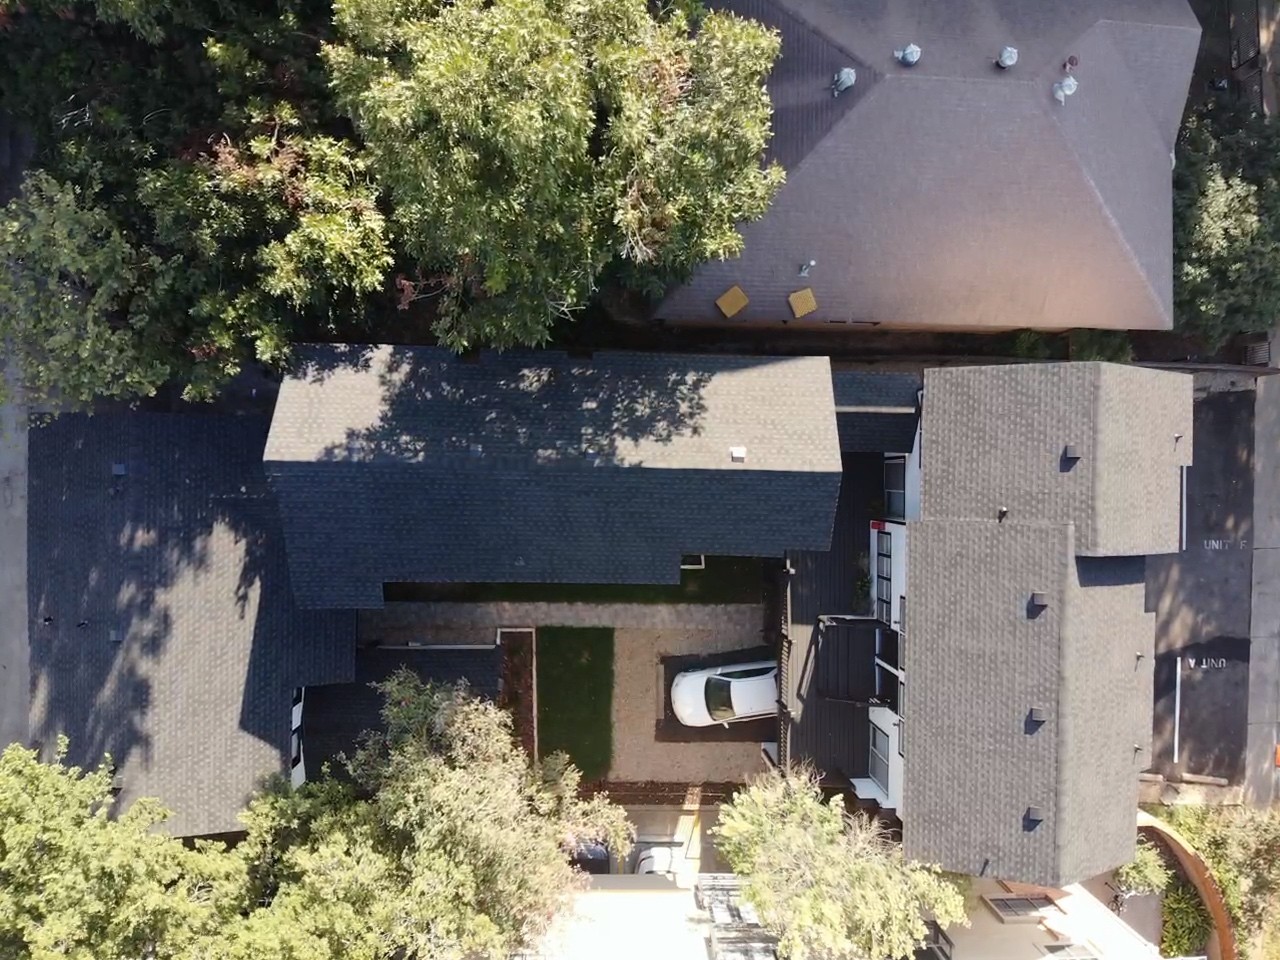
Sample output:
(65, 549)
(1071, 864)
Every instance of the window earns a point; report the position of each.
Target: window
(747, 674)
(884, 572)
(693, 561)
(879, 759)
(902, 718)
(1071, 951)
(719, 699)
(295, 742)
(887, 687)
(1019, 909)
(895, 488)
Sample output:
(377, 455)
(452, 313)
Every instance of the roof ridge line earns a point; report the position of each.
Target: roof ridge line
(1105, 207)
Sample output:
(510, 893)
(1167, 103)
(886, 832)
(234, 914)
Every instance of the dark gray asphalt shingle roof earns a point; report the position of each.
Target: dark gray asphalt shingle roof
(334, 716)
(876, 412)
(954, 194)
(172, 640)
(408, 464)
(979, 657)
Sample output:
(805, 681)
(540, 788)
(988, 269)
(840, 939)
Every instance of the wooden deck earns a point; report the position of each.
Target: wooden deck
(830, 668)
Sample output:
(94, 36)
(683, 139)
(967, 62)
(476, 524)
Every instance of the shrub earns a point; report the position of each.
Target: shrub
(1186, 923)
(1147, 872)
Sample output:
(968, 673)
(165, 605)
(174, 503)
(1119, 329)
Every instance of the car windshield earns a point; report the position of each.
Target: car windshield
(719, 702)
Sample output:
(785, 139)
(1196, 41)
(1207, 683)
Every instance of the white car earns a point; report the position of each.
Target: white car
(738, 691)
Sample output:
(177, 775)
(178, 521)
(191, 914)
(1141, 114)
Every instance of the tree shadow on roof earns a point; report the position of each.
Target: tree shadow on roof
(159, 605)
(544, 406)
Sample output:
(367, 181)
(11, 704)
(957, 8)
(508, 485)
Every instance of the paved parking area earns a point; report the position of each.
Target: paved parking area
(638, 703)
(1202, 596)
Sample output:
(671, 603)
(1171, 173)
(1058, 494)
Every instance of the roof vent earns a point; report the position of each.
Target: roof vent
(1034, 813)
(1001, 513)
(1039, 599)
(119, 469)
(1071, 452)
(1039, 715)
(807, 266)
(477, 449)
(1008, 57)
(1065, 88)
(738, 454)
(908, 56)
(843, 81)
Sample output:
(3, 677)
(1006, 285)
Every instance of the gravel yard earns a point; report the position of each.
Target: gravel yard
(637, 703)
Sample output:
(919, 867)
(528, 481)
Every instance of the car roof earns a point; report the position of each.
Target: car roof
(755, 695)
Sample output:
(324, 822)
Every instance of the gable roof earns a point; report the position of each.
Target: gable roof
(980, 655)
(162, 627)
(334, 716)
(997, 436)
(953, 193)
(408, 464)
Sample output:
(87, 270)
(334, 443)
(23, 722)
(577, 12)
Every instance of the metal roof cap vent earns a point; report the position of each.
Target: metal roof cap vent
(119, 469)
(844, 80)
(1065, 88)
(1008, 57)
(738, 454)
(908, 56)
(1039, 715)
(1039, 599)
(1035, 814)
(1071, 452)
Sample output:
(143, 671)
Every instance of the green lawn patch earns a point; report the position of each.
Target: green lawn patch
(575, 696)
(724, 580)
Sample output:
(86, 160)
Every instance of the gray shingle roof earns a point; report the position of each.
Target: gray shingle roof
(171, 642)
(334, 716)
(876, 412)
(954, 194)
(980, 655)
(995, 437)
(977, 663)
(408, 464)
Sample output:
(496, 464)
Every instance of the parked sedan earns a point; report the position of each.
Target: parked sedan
(738, 691)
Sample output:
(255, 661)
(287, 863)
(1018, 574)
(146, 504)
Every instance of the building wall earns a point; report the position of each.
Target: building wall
(1076, 917)
(914, 462)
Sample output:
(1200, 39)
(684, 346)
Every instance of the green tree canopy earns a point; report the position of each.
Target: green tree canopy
(1226, 224)
(219, 178)
(77, 883)
(444, 843)
(527, 145)
(832, 886)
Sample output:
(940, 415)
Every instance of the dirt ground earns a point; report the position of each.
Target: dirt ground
(637, 705)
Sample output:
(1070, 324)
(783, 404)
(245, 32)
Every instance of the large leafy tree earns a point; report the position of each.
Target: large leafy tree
(461, 849)
(831, 885)
(529, 145)
(77, 883)
(1226, 223)
(260, 172)
(441, 840)
(197, 139)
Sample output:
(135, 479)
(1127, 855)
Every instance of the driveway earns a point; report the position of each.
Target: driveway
(1202, 596)
(14, 684)
(638, 701)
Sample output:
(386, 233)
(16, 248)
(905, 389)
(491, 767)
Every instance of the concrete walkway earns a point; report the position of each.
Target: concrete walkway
(1262, 777)
(735, 617)
(14, 664)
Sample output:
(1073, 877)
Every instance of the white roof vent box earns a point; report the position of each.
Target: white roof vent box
(738, 454)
